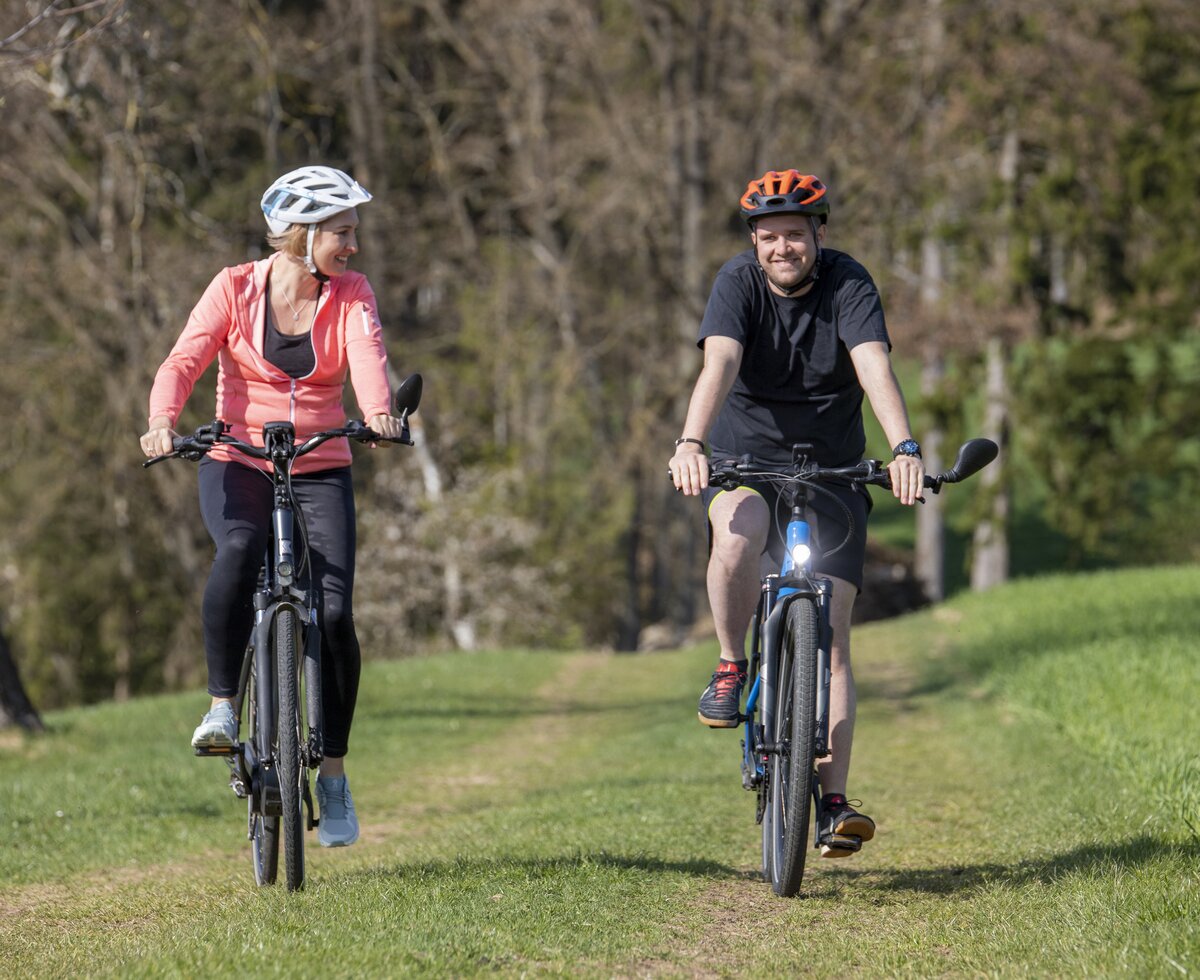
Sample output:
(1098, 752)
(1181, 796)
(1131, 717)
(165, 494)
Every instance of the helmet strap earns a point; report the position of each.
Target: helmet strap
(813, 275)
(309, 264)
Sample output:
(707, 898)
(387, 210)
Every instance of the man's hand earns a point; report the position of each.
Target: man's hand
(908, 478)
(689, 468)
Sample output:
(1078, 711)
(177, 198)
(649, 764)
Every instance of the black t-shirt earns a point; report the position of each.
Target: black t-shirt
(796, 382)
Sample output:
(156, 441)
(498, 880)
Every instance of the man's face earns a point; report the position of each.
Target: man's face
(786, 248)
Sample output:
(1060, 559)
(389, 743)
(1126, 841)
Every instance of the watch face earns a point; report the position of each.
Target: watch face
(909, 447)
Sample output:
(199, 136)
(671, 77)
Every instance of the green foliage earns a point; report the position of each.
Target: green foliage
(1106, 424)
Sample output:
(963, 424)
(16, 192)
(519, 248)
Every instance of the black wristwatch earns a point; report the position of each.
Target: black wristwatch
(909, 447)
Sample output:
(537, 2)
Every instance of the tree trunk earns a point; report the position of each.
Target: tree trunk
(15, 706)
(930, 547)
(458, 619)
(931, 522)
(989, 566)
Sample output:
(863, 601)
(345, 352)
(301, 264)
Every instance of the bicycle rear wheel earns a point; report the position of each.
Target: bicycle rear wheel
(287, 755)
(264, 830)
(786, 824)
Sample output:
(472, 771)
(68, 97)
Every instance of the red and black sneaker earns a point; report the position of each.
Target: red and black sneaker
(841, 828)
(721, 699)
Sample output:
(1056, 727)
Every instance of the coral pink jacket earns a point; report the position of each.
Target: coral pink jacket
(228, 323)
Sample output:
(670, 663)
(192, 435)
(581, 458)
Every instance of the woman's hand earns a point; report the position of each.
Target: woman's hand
(387, 426)
(158, 440)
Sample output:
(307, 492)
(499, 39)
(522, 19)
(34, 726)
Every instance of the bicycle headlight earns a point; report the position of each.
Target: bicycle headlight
(285, 568)
(800, 555)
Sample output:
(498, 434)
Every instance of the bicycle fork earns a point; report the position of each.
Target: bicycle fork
(824, 671)
(764, 642)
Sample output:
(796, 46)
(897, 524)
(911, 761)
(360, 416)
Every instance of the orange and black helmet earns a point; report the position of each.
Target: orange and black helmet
(785, 192)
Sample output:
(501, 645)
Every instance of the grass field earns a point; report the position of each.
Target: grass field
(1031, 756)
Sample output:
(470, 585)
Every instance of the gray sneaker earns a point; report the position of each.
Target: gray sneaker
(218, 729)
(338, 826)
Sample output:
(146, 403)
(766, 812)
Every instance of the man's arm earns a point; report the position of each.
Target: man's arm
(875, 374)
(689, 465)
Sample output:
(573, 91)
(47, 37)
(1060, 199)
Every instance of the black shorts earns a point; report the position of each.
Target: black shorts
(839, 545)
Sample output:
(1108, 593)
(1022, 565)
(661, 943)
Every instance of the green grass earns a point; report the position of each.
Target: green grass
(1030, 756)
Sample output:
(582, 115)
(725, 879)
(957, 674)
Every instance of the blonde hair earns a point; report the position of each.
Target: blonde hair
(293, 241)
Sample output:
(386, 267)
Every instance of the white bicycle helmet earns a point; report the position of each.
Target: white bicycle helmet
(307, 197)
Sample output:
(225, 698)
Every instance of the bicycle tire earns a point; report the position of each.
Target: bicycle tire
(264, 830)
(288, 741)
(791, 768)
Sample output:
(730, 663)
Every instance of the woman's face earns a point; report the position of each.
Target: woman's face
(334, 242)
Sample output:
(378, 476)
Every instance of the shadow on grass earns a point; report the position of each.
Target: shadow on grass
(1089, 859)
(552, 867)
(512, 708)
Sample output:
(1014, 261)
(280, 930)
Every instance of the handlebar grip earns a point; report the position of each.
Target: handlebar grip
(362, 433)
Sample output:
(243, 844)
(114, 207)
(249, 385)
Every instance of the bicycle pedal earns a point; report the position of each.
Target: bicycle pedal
(221, 750)
(840, 845)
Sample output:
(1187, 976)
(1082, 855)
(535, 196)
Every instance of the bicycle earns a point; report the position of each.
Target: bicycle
(787, 709)
(280, 681)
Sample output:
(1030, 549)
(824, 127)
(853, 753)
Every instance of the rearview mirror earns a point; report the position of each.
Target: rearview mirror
(974, 455)
(408, 395)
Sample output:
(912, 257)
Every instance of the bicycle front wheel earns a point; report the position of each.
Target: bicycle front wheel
(287, 754)
(791, 770)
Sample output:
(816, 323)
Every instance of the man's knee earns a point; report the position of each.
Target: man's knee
(739, 525)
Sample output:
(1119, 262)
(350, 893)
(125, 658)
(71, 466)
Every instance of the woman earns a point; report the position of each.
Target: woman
(286, 330)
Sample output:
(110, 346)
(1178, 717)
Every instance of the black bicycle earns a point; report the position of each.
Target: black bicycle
(280, 683)
(787, 708)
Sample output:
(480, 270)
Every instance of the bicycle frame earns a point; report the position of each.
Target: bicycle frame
(278, 590)
(794, 581)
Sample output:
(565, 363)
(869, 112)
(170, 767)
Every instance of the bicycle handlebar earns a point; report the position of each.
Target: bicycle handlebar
(973, 456)
(205, 438)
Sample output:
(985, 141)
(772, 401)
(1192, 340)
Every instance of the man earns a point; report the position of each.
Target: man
(793, 335)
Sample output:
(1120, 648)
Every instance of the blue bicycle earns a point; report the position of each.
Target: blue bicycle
(787, 709)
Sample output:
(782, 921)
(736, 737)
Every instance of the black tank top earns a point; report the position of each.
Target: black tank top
(294, 356)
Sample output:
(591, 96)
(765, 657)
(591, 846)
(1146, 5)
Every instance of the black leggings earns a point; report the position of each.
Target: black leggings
(236, 502)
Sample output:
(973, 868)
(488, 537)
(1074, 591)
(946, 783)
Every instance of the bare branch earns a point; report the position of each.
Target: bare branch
(63, 39)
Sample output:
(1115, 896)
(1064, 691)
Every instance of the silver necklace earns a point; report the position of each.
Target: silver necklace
(295, 312)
